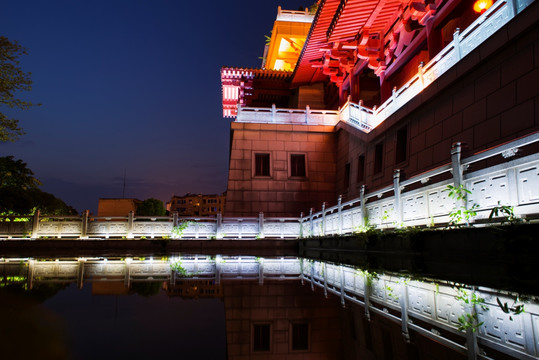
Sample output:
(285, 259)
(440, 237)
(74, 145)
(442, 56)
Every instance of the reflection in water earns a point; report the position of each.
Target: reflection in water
(272, 307)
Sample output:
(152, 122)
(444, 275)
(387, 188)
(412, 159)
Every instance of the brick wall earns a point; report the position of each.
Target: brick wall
(489, 98)
(280, 304)
(279, 194)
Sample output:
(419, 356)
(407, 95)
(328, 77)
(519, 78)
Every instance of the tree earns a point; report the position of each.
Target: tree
(14, 173)
(19, 193)
(12, 79)
(151, 207)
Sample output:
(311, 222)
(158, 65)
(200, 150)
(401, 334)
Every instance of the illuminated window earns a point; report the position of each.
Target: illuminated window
(402, 145)
(361, 168)
(297, 165)
(378, 157)
(300, 336)
(262, 164)
(261, 337)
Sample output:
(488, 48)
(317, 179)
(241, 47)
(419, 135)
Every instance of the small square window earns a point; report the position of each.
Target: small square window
(262, 164)
(261, 337)
(297, 165)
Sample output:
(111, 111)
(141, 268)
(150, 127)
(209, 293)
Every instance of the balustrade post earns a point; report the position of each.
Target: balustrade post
(127, 279)
(238, 110)
(512, 187)
(403, 300)
(311, 222)
(175, 219)
(420, 73)
(30, 279)
(342, 285)
(80, 272)
(35, 225)
(84, 224)
(514, 7)
(339, 211)
(363, 218)
(368, 290)
(457, 169)
(218, 261)
(471, 336)
(307, 113)
(261, 271)
(261, 225)
(325, 268)
(218, 234)
(456, 44)
(323, 219)
(300, 235)
(239, 228)
(130, 224)
(273, 112)
(398, 201)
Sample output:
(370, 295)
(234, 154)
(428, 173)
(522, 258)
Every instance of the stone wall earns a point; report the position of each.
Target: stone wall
(281, 304)
(279, 194)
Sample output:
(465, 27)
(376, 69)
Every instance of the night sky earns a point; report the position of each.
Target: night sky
(130, 86)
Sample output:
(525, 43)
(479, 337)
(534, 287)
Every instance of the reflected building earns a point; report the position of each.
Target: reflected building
(278, 318)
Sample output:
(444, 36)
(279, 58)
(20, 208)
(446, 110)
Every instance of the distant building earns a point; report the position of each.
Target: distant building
(116, 207)
(197, 204)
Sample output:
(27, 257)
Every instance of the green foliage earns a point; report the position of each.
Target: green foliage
(470, 320)
(460, 214)
(16, 174)
(364, 228)
(19, 193)
(515, 309)
(151, 207)
(146, 289)
(314, 7)
(370, 277)
(177, 231)
(391, 293)
(180, 270)
(507, 213)
(12, 79)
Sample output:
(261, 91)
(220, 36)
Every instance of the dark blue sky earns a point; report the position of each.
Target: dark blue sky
(130, 85)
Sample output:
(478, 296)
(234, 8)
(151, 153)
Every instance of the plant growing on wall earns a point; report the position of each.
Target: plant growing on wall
(461, 214)
(506, 212)
(515, 309)
(179, 269)
(177, 231)
(470, 320)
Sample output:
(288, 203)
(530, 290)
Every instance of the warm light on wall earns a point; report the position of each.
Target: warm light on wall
(480, 6)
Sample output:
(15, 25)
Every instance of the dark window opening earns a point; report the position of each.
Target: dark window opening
(361, 168)
(353, 332)
(261, 337)
(388, 346)
(367, 334)
(347, 175)
(262, 164)
(300, 336)
(378, 157)
(297, 165)
(402, 145)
